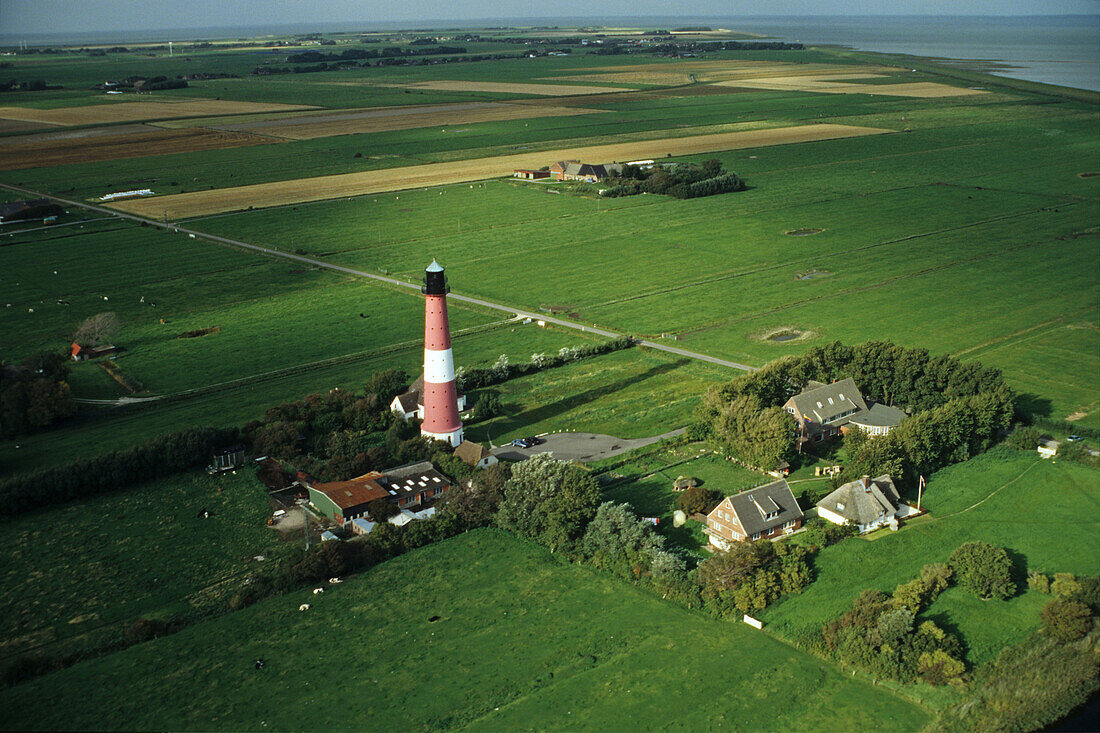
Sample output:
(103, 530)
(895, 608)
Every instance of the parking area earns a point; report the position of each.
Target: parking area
(583, 447)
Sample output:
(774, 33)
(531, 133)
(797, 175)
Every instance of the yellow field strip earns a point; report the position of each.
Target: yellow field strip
(97, 114)
(201, 203)
(839, 85)
(497, 87)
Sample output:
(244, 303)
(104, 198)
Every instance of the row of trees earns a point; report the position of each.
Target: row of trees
(162, 456)
(355, 54)
(34, 393)
(683, 182)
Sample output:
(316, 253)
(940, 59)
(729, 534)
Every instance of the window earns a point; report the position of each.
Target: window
(830, 400)
(787, 525)
(755, 536)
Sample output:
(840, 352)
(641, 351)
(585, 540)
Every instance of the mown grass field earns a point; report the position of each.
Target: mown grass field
(612, 394)
(154, 557)
(520, 638)
(1043, 512)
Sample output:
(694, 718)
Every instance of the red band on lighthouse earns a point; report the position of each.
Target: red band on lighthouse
(440, 394)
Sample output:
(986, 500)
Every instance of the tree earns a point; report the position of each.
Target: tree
(96, 330)
(984, 570)
(548, 501)
(488, 405)
(698, 500)
(381, 509)
(712, 167)
(617, 541)
(1066, 620)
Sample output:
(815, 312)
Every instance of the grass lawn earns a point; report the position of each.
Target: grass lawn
(1043, 512)
(519, 639)
(79, 574)
(633, 393)
(647, 486)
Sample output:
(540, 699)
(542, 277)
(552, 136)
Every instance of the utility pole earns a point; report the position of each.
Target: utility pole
(920, 491)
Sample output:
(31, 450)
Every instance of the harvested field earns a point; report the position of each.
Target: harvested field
(398, 118)
(712, 71)
(201, 203)
(828, 84)
(7, 126)
(100, 114)
(17, 154)
(498, 87)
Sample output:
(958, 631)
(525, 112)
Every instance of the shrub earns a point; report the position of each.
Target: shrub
(984, 570)
(1066, 620)
(1038, 581)
(1065, 586)
(1024, 437)
(698, 500)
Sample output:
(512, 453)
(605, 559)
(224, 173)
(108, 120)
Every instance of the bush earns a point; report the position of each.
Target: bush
(1024, 437)
(698, 500)
(984, 570)
(1038, 581)
(1066, 620)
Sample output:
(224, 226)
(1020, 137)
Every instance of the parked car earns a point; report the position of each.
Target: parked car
(533, 441)
(1074, 438)
(521, 443)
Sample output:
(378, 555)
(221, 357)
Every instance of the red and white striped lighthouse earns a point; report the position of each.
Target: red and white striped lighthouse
(440, 394)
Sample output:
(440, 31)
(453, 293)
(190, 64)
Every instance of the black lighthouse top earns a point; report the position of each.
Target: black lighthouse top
(435, 282)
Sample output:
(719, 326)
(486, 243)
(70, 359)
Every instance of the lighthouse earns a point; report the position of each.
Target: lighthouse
(440, 395)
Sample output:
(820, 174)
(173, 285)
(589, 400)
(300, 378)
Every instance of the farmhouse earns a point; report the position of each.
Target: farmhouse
(765, 512)
(574, 170)
(344, 501)
(411, 403)
(474, 454)
(412, 485)
(866, 503)
(825, 410)
(81, 352)
(530, 175)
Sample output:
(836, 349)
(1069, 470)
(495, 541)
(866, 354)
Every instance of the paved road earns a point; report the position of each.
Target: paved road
(373, 276)
(583, 447)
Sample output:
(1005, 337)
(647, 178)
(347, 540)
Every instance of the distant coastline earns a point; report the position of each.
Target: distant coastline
(1054, 49)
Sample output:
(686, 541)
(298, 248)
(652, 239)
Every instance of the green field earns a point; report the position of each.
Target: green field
(611, 394)
(1043, 512)
(520, 638)
(154, 557)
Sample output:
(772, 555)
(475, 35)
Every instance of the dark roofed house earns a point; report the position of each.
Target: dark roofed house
(765, 512)
(474, 454)
(414, 484)
(574, 170)
(825, 410)
(878, 419)
(866, 503)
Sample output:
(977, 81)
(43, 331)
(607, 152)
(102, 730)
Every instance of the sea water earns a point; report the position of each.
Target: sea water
(1056, 49)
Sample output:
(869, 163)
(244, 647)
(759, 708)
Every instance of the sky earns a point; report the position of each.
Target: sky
(63, 16)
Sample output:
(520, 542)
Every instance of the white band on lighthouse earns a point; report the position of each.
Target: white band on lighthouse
(439, 366)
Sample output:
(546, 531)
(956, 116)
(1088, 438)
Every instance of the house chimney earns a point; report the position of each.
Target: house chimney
(866, 481)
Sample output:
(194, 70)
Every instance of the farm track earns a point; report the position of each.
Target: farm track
(519, 313)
